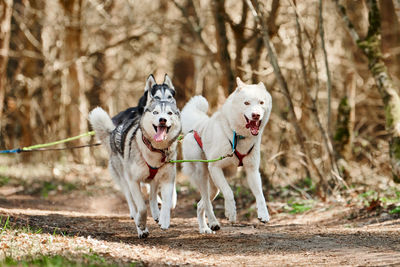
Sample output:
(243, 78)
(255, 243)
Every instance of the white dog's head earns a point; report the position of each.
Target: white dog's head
(249, 107)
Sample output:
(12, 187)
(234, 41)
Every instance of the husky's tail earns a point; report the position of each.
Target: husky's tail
(101, 124)
(194, 113)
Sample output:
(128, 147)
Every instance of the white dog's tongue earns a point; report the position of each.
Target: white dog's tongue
(254, 127)
(161, 134)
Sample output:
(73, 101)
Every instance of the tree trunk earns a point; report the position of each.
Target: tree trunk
(371, 47)
(259, 17)
(5, 30)
(224, 59)
(70, 80)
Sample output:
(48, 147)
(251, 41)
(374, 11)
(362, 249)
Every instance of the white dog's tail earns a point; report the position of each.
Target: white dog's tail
(101, 124)
(194, 113)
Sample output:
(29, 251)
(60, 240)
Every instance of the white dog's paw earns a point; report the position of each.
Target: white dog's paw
(215, 226)
(263, 215)
(230, 215)
(205, 230)
(142, 234)
(230, 211)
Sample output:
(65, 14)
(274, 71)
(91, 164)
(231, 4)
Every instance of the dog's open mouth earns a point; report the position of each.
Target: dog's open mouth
(161, 132)
(254, 125)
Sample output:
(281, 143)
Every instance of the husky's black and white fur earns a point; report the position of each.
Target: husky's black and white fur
(244, 116)
(140, 146)
(164, 92)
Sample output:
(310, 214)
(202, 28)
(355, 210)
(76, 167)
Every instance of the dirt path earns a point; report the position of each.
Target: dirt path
(93, 218)
(323, 236)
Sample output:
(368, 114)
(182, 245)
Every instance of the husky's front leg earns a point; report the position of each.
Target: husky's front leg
(141, 215)
(219, 180)
(155, 212)
(167, 188)
(254, 181)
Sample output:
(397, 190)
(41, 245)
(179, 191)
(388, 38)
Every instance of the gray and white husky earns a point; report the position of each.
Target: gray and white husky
(140, 147)
(236, 127)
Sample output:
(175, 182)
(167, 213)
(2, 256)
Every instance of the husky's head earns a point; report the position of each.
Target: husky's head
(250, 107)
(161, 120)
(162, 92)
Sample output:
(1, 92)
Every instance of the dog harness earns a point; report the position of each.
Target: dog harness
(153, 170)
(236, 138)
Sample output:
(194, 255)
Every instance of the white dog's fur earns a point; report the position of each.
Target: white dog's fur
(216, 132)
(130, 169)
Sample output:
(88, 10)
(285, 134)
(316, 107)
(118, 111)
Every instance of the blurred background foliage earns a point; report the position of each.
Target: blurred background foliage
(334, 117)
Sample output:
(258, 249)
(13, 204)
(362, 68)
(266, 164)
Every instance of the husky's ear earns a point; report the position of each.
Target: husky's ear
(150, 82)
(149, 98)
(239, 82)
(168, 82)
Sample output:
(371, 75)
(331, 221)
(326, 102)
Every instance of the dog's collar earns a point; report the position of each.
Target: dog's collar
(152, 149)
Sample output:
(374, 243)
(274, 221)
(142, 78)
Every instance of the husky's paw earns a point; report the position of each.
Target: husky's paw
(143, 234)
(215, 227)
(155, 214)
(206, 230)
(164, 226)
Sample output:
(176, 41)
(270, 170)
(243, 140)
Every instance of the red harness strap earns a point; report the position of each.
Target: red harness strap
(240, 157)
(152, 172)
(237, 154)
(198, 139)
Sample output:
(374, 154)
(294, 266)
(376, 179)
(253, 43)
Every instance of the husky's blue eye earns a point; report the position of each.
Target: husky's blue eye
(155, 112)
(157, 97)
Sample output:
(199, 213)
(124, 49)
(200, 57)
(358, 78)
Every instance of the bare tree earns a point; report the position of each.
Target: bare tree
(371, 47)
(5, 30)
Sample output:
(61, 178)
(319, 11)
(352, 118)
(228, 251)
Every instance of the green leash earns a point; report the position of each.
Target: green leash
(39, 147)
(210, 160)
(58, 142)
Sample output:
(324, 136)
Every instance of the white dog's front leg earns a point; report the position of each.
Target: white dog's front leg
(254, 181)
(218, 177)
(166, 195)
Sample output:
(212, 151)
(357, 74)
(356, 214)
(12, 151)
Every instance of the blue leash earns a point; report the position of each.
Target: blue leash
(17, 150)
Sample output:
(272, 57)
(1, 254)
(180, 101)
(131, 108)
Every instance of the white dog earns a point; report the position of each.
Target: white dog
(237, 127)
(140, 147)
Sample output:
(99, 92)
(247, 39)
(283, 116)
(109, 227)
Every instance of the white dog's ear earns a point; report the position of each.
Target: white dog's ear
(150, 82)
(239, 82)
(168, 82)
(261, 84)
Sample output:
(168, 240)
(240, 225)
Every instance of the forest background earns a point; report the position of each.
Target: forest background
(332, 68)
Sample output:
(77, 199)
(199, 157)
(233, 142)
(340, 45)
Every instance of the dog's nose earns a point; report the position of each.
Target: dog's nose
(162, 121)
(255, 116)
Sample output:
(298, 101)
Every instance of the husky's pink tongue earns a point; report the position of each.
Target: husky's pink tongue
(161, 134)
(254, 127)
